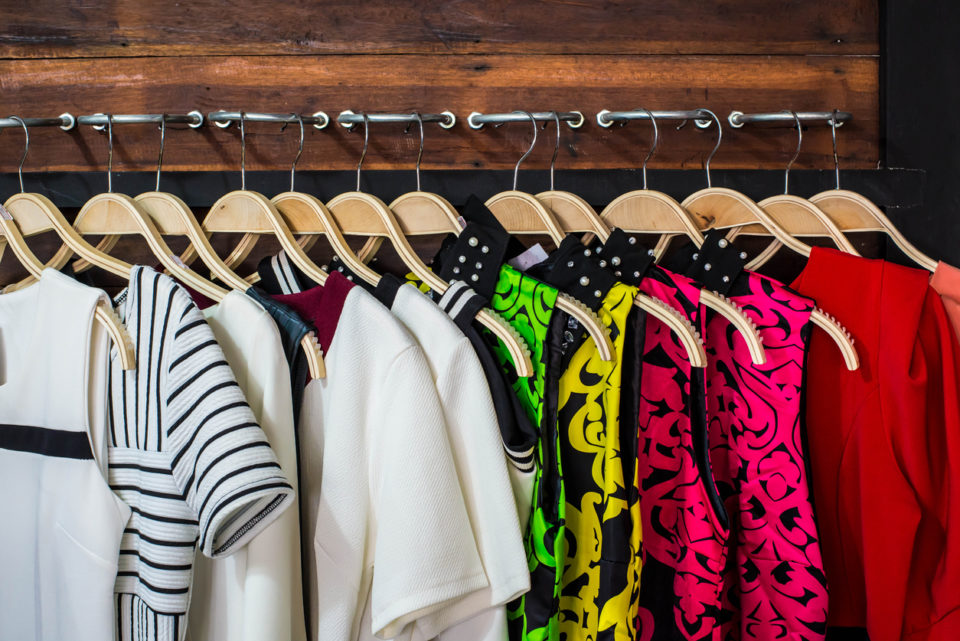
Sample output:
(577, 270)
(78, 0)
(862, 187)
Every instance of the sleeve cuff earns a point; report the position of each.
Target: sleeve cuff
(240, 516)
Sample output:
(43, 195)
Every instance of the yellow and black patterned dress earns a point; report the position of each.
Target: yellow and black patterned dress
(599, 586)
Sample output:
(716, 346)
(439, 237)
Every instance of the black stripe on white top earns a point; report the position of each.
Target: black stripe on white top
(187, 455)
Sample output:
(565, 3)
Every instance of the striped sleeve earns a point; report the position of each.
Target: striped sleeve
(220, 458)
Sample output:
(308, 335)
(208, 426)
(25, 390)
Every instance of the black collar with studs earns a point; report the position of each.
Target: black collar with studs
(576, 270)
(626, 259)
(475, 256)
(717, 264)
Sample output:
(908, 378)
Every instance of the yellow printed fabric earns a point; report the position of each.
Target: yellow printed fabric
(600, 582)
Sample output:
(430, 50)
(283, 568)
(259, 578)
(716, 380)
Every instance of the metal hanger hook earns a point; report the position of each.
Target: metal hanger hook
(836, 159)
(366, 141)
(26, 149)
(556, 148)
(419, 153)
(654, 147)
(243, 152)
(786, 174)
(516, 169)
(716, 147)
(293, 168)
(163, 135)
(109, 153)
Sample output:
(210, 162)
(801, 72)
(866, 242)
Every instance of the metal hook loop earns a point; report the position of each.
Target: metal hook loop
(786, 174)
(293, 168)
(110, 153)
(654, 147)
(163, 134)
(556, 148)
(716, 147)
(836, 159)
(26, 149)
(243, 153)
(516, 169)
(366, 141)
(419, 153)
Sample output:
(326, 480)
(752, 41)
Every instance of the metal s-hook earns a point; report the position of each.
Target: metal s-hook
(293, 168)
(556, 148)
(163, 134)
(516, 169)
(419, 153)
(716, 147)
(26, 149)
(654, 147)
(366, 141)
(836, 159)
(243, 153)
(786, 174)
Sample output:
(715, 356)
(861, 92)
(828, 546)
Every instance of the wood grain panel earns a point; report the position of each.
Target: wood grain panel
(108, 28)
(429, 83)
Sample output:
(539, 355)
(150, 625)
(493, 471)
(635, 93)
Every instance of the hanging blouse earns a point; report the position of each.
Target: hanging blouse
(476, 256)
(186, 454)
(481, 467)
(255, 593)
(597, 598)
(884, 449)
(60, 539)
(388, 540)
(774, 583)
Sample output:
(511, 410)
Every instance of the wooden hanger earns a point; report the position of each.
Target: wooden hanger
(358, 213)
(39, 214)
(521, 213)
(629, 211)
(250, 213)
(851, 211)
(797, 216)
(306, 215)
(721, 208)
(647, 210)
(111, 213)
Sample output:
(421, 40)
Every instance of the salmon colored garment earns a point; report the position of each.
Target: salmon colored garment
(946, 280)
(885, 449)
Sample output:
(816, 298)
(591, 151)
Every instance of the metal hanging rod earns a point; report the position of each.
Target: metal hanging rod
(477, 120)
(738, 119)
(349, 119)
(65, 121)
(223, 119)
(700, 117)
(99, 121)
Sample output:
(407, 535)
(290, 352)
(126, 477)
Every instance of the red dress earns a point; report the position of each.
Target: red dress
(885, 449)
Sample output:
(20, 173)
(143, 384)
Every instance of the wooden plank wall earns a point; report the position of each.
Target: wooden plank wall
(130, 56)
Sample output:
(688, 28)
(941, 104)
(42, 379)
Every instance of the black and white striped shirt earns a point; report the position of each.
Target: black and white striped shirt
(186, 454)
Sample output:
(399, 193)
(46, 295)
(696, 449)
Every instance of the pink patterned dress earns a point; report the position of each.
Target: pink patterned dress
(774, 585)
(682, 516)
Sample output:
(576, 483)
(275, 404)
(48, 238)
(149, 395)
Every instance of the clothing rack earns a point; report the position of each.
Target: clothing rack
(889, 188)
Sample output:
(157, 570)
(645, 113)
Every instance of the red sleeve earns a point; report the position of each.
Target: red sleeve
(926, 443)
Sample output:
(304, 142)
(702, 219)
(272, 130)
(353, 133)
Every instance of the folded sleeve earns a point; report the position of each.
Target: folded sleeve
(426, 554)
(221, 460)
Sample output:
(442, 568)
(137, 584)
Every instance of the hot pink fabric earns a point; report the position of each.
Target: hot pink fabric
(681, 515)
(774, 583)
